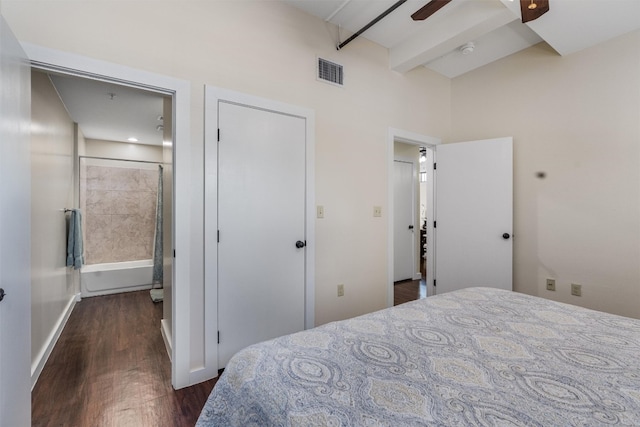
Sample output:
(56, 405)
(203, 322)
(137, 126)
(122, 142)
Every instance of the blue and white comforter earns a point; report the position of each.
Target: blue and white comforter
(474, 357)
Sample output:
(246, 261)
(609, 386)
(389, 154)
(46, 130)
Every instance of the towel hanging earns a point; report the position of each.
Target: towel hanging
(75, 257)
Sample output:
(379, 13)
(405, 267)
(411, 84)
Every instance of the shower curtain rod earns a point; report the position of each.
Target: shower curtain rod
(121, 160)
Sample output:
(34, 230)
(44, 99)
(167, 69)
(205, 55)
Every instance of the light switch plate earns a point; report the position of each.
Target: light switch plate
(319, 211)
(377, 211)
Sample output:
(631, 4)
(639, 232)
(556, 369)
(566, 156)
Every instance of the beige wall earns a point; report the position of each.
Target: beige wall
(577, 119)
(52, 189)
(269, 49)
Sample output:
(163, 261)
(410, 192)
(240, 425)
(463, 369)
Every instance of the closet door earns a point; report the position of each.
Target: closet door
(261, 223)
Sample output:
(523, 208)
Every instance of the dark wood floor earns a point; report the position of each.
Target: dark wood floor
(110, 368)
(409, 290)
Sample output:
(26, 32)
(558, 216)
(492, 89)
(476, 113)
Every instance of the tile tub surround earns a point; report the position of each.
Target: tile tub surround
(119, 205)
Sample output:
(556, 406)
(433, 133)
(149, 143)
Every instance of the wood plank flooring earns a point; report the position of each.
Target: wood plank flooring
(110, 368)
(409, 290)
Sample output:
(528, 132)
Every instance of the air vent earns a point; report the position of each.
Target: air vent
(330, 72)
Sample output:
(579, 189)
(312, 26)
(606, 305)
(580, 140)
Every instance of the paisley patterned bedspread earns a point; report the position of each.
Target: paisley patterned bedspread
(474, 357)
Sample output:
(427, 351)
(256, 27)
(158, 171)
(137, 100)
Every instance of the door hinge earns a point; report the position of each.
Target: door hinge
(434, 224)
(218, 236)
(218, 337)
(434, 163)
(174, 253)
(218, 134)
(434, 284)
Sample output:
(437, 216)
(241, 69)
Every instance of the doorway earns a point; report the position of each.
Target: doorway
(412, 142)
(177, 318)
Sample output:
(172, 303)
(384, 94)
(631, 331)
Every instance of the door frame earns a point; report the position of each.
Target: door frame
(419, 140)
(213, 95)
(178, 339)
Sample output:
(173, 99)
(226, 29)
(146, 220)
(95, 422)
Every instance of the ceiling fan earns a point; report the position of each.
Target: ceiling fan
(531, 9)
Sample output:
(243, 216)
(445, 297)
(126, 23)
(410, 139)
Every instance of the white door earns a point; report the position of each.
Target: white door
(15, 232)
(403, 220)
(261, 219)
(474, 210)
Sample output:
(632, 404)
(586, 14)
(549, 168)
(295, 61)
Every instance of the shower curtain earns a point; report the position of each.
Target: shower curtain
(157, 247)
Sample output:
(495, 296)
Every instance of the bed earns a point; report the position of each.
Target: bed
(476, 356)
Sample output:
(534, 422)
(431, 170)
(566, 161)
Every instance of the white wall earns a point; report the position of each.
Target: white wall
(577, 119)
(269, 49)
(123, 150)
(52, 177)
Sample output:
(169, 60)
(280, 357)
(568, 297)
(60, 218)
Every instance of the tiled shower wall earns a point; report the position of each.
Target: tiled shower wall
(119, 207)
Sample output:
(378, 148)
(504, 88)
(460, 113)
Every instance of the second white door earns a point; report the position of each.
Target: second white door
(474, 214)
(261, 223)
(403, 220)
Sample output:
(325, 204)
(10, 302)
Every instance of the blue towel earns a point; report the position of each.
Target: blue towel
(74, 240)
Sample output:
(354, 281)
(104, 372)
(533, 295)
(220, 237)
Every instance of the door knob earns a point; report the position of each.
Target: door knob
(2, 294)
(300, 244)
(506, 236)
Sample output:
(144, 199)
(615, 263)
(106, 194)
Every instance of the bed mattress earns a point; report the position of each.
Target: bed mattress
(476, 356)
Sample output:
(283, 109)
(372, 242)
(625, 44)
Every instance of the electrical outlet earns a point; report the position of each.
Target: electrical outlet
(551, 284)
(576, 289)
(377, 211)
(320, 211)
(340, 290)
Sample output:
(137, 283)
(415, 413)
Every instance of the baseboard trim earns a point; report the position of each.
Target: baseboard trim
(41, 359)
(166, 335)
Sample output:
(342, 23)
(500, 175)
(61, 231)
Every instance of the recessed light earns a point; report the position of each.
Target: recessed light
(132, 139)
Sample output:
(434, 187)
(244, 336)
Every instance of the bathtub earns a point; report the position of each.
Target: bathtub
(111, 278)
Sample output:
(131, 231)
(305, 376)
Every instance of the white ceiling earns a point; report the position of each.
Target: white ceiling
(130, 112)
(494, 26)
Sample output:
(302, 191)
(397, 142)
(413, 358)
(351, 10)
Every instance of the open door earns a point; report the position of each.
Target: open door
(474, 214)
(15, 232)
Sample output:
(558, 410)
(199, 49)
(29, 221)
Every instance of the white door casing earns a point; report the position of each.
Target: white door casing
(404, 212)
(474, 214)
(271, 247)
(15, 232)
(399, 135)
(184, 343)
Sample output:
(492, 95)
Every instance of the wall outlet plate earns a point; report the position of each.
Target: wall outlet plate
(551, 284)
(576, 290)
(340, 290)
(377, 211)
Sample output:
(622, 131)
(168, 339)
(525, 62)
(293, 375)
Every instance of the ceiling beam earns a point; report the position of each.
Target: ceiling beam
(444, 35)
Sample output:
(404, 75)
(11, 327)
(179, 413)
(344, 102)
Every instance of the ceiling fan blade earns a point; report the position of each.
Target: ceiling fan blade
(529, 12)
(429, 9)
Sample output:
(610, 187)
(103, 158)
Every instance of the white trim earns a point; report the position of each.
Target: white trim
(212, 96)
(73, 64)
(412, 138)
(166, 336)
(41, 359)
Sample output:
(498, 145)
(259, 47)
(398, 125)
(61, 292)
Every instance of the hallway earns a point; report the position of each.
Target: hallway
(110, 368)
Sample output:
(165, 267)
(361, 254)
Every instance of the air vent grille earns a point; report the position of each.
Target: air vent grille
(330, 72)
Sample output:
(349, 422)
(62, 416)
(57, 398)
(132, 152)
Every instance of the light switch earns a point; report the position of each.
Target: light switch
(377, 211)
(320, 211)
